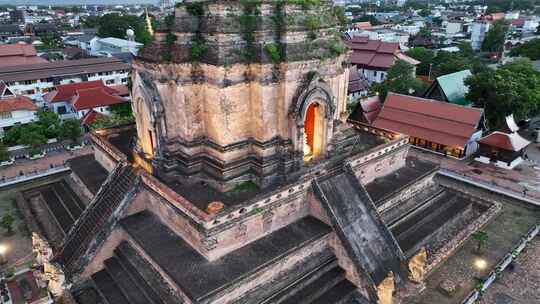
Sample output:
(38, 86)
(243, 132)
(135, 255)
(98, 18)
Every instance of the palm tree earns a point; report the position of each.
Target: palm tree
(481, 238)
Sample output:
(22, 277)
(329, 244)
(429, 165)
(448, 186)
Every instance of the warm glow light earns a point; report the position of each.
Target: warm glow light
(3, 249)
(480, 264)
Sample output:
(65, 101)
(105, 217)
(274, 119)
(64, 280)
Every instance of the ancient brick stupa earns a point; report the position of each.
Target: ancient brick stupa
(243, 182)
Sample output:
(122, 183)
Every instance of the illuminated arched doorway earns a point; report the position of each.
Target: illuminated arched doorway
(313, 131)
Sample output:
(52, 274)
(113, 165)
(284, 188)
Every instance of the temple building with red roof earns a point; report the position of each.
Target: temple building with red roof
(373, 58)
(441, 127)
(504, 150)
(14, 109)
(19, 54)
(75, 100)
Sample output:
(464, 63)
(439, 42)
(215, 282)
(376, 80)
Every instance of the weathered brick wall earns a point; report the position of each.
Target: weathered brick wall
(273, 271)
(345, 262)
(406, 193)
(385, 164)
(174, 219)
(224, 239)
(104, 159)
(80, 188)
(104, 252)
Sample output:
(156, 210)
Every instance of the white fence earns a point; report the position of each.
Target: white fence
(501, 266)
(26, 176)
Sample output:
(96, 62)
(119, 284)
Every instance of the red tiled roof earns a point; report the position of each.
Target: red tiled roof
(90, 117)
(17, 103)
(518, 22)
(510, 142)
(19, 54)
(363, 25)
(371, 108)
(17, 50)
(65, 92)
(439, 122)
(94, 97)
(375, 53)
(121, 90)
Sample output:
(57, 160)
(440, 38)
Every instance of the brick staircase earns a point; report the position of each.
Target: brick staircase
(158, 263)
(94, 218)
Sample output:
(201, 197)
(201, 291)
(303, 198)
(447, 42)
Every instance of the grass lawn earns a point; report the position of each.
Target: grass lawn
(504, 232)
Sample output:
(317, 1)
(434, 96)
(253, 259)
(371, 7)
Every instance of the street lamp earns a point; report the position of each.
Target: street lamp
(480, 264)
(3, 251)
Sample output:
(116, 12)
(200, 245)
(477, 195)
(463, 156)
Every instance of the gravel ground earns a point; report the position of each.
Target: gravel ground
(520, 285)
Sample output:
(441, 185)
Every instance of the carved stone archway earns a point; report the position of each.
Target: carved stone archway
(314, 92)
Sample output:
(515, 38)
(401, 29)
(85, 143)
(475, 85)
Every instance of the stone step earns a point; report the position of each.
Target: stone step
(136, 294)
(312, 290)
(108, 289)
(146, 276)
(201, 279)
(403, 209)
(429, 220)
(341, 293)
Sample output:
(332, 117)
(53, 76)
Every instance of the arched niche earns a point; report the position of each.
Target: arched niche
(312, 113)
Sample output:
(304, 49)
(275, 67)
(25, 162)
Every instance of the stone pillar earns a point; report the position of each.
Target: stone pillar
(417, 266)
(385, 290)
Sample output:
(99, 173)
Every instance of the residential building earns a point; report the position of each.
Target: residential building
(450, 88)
(478, 34)
(373, 58)
(9, 30)
(74, 100)
(437, 126)
(19, 54)
(454, 27)
(531, 24)
(33, 80)
(14, 109)
(110, 46)
(358, 85)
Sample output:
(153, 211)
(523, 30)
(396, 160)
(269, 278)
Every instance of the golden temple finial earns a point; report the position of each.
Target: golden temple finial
(148, 23)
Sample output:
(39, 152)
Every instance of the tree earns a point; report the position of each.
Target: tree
(481, 238)
(91, 22)
(425, 56)
(425, 12)
(34, 139)
(114, 25)
(111, 121)
(496, 36)
(7, 223)
(530, 49)
(71, 129)
(122, 109)
(4, 153)
(367, 18)
(49, 124)
(51, 41)
(447, 62)
(399, 79)
(514, 88)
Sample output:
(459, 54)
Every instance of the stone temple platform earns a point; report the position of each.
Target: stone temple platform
(51, 210)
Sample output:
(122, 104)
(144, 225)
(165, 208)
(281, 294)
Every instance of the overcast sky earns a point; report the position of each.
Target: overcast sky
(73, 2)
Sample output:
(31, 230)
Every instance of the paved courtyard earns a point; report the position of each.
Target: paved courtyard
(20, 248)
(524, 180)
(53, 158)
(520, 285)
(504, 231)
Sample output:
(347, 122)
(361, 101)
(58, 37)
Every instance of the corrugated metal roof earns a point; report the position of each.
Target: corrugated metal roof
(453, 86)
